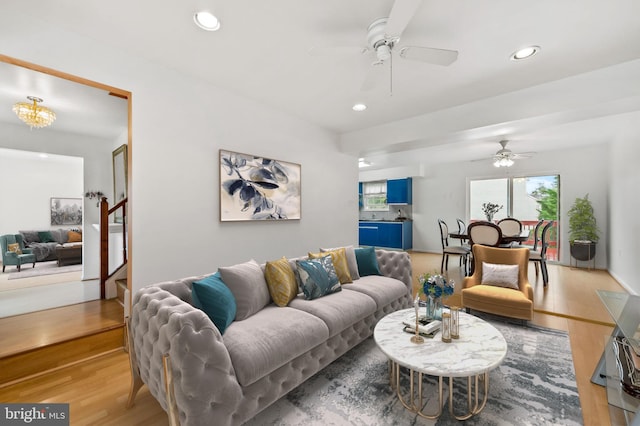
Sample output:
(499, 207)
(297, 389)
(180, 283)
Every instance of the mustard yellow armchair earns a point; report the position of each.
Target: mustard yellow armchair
(503, 289)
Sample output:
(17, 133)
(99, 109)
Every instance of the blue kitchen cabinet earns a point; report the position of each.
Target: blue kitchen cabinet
(390, 234)
(399, 191)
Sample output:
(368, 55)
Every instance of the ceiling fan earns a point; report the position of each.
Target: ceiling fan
(504, 157)
(383, 36)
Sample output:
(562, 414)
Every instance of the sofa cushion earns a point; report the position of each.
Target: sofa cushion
(46, 237)
(211, 295)
(383, 290)
(30, 237)
(338, 310)
(350, 253)
(246, 282)
(318, 277)
(367, 261)
(74, 237)
(281, 281)
(500, 275)
(269, 339)
(339, 259)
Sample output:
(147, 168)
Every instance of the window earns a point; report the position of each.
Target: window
(374, 197)
(528, 199)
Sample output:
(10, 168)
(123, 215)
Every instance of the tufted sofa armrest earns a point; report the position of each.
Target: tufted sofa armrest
(204, 382)
(396, 264)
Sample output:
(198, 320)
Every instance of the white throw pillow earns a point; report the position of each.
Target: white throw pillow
(500, 275)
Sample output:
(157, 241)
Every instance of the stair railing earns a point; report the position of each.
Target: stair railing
(121, 219)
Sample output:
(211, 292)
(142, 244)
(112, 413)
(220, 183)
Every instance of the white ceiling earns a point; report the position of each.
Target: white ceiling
(262, 52)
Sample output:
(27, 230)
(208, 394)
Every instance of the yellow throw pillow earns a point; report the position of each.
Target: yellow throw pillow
(15, 248)
(281, 281)
(74, 237)
(339, 259)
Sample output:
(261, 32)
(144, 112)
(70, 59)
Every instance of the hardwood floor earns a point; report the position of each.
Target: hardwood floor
(97, 390)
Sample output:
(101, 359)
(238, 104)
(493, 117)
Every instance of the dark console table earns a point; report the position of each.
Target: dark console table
(69, 255)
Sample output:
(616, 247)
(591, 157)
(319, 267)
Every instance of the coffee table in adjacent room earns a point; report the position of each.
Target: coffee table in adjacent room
(480, 349)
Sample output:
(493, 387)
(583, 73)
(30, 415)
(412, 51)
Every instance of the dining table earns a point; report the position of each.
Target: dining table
(506, 239)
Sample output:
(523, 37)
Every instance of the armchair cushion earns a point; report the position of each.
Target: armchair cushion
(500, 275)
(15, 248)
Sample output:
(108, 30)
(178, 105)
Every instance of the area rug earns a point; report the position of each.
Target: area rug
(534, 385)
(43, 268)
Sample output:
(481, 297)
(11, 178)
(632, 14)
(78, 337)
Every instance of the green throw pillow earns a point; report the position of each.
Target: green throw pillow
(216, 300)
(46, 237)
(367, 261)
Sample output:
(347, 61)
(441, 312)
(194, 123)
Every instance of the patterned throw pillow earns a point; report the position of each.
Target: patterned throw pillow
(500, 275)
(212, 296)
(318, 277)
(339, 259)
(281, 281)
(15, 248)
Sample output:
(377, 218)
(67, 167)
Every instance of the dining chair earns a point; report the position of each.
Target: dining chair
(447, 250)
(510, 226)
(483, 233)
(540, 256)
(536, 236)
(462, 229)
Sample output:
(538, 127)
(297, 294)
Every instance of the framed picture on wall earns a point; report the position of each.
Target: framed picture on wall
(66, 211)
(258, 188)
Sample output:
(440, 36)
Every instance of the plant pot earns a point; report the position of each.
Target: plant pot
(583, 251)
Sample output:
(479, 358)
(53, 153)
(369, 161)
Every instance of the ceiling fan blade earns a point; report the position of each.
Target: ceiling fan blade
(524, 155)
(375, 76)
(430, 55)
(401, 13)
(337, 50)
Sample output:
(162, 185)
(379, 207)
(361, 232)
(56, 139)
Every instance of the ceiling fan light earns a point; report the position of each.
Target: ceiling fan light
(207, 21)
(383, 52)
(524, 53)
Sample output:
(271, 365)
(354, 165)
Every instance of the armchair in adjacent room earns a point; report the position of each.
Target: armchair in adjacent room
(14, 251)
(499, 284)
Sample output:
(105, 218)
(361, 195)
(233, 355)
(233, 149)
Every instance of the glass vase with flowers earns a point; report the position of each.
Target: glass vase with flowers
(434, 287)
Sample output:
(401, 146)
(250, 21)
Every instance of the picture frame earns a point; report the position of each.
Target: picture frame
(256, 188)
(66, 211)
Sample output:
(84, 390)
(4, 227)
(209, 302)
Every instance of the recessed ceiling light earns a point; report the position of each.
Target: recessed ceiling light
(206, 21)
(524, 53)
(359, 107)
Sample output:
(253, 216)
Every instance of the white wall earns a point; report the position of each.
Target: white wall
(443, 192)
(179, 125)
(30, 183)
(96, 155)
(624, 184)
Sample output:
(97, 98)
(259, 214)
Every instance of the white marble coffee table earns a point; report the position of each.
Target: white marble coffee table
(480, 348)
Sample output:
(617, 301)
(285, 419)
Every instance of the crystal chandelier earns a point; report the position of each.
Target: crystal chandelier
(33, 114)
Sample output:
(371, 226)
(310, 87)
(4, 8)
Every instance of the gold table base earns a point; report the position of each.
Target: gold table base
(474, 403)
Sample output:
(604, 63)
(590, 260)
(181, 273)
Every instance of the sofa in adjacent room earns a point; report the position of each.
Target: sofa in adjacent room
(259, 330)
(46, 243)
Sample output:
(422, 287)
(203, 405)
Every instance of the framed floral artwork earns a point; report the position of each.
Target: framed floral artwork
(258, 188)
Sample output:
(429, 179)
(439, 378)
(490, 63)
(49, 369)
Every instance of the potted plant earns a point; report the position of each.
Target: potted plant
(583, 230)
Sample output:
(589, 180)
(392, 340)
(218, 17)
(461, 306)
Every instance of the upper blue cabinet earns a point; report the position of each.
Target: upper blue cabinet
(399, 191)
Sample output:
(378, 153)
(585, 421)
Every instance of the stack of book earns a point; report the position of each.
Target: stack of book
(425, 329)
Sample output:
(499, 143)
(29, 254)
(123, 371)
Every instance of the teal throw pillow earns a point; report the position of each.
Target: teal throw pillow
(367, 261)
(318, 277)
(46, 237)
(216, 300)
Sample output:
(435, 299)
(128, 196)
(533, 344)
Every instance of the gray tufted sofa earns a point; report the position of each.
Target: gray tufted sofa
(201, 377)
